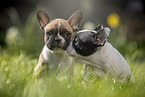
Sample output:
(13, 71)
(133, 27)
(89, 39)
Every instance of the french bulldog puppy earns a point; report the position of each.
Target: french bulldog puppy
(91, 47)
(57, 36)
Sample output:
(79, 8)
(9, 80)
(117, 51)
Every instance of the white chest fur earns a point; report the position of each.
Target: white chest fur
(61, 61)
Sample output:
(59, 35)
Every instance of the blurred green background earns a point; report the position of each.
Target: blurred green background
(21, 41)
(19, 28)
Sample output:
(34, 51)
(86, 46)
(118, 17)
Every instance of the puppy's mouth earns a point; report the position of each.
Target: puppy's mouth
(58, 50)
(56, 47)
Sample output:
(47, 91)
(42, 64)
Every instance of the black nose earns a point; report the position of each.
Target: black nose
(58, 39)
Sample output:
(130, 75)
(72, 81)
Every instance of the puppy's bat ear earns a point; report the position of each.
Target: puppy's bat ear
(101, 36)
(43, 18)
(99, 27)
(75, 20)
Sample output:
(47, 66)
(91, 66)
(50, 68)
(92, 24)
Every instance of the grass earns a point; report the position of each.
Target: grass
(16, 80)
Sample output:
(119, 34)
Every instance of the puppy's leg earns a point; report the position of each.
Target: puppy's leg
(92, 71)
(71, 70)
(41, 68)
(128, 79)
(87, 73)
(132, 78)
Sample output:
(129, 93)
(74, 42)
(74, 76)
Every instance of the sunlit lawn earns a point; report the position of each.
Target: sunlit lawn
(16, 80)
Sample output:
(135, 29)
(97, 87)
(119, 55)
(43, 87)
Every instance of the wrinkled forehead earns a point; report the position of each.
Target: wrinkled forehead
(59, 24)
(89, 31)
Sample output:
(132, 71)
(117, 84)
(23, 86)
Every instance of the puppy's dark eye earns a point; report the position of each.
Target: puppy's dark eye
(68, 34)
(50, 32)
(92, 33)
